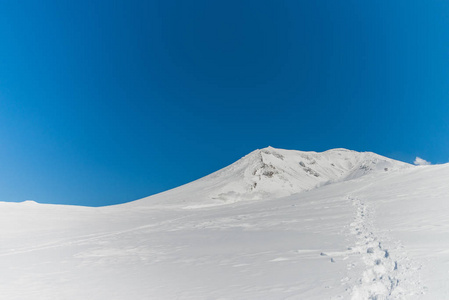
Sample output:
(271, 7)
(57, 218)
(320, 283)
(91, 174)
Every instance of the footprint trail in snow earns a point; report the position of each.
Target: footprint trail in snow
(388, 273)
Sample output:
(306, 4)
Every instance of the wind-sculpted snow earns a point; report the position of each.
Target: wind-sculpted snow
(347, 229)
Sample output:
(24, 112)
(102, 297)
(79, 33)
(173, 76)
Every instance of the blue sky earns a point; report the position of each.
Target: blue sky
(104, 102)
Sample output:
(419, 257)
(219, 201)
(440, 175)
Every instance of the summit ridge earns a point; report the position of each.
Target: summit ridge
(273, 173)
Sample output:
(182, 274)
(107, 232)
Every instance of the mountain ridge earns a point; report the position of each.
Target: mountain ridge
(273, 173)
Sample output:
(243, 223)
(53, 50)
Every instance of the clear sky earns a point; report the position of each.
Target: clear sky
(104, 102)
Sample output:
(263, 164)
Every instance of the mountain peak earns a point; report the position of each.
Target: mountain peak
(273, 173)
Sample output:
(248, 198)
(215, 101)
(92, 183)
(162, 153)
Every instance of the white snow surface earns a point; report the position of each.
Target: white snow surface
(277, 224)
(272, 173)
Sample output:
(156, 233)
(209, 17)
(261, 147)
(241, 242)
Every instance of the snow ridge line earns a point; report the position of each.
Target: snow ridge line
(381, 278)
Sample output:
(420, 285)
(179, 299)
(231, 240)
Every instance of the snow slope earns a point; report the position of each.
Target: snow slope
(355, 231)
(274, 173)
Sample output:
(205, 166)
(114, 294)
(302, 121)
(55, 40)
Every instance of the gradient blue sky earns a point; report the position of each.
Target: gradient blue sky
(104, 102)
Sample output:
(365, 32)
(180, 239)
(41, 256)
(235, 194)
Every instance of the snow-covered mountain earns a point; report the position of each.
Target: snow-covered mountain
(276, 224)
(273, 173)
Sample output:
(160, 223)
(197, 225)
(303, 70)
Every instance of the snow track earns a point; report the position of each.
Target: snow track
(388, 273)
